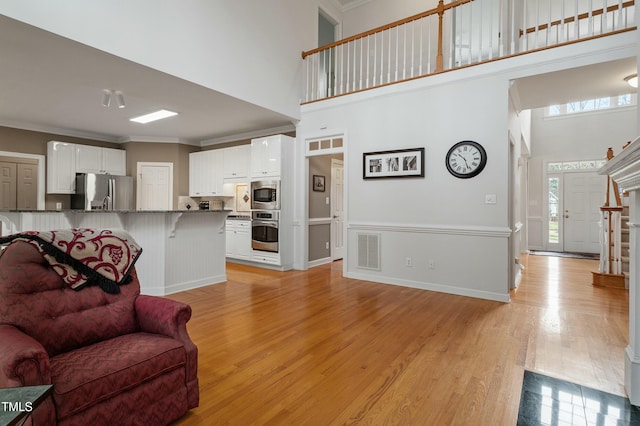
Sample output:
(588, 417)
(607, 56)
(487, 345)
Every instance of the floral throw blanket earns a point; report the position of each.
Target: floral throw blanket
(85, 256)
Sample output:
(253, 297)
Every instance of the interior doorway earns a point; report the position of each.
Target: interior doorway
(328, 32)
(326, 194)
(154, 186)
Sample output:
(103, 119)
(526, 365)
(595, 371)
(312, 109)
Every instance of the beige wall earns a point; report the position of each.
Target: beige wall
(177, 154)
(31, 142)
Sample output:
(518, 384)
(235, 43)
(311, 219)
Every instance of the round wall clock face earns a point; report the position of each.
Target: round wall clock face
(466, 159)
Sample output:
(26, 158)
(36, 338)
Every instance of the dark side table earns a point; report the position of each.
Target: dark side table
(18, 403)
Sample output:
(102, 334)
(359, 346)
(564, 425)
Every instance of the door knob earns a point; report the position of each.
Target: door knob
(566, 216)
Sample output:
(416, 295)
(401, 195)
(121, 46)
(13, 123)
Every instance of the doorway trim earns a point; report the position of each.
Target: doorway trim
(560, 175)
(319, 145)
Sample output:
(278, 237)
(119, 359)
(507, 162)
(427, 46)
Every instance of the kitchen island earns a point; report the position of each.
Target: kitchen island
(181, 249)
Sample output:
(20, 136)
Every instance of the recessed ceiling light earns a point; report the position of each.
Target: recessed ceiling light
(157, 115)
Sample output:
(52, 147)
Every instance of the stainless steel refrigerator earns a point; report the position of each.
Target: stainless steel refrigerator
(102, 192)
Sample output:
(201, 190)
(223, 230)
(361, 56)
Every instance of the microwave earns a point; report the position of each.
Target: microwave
(265, 195)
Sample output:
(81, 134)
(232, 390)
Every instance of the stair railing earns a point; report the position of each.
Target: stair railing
(458, 34)
(610, 268)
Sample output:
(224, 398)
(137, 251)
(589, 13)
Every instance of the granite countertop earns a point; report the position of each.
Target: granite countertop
(239, 216)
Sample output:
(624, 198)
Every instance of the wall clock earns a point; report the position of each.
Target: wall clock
(466, 159)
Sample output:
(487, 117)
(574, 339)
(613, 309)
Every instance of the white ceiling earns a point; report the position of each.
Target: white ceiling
(53, 84)
(589, 82)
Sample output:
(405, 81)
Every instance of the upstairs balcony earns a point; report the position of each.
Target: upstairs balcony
(454, 35)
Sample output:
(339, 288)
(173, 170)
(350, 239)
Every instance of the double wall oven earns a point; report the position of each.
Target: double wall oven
(265, 215)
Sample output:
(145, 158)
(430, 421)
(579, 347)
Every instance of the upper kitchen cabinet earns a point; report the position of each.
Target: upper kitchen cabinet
(205, 173)
(236, 162)
(266, 156)
(61, 168)
(94, 159)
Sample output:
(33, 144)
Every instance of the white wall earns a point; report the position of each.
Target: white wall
(247, 49)
(584, 136)
(438, 217)
(381, 12)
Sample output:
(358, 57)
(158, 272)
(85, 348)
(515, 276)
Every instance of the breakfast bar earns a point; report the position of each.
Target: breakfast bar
(181, 249)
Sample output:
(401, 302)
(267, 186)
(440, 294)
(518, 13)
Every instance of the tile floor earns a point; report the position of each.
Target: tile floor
(549, 401)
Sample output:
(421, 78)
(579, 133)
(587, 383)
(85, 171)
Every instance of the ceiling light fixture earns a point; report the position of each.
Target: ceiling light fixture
(157, 115)
(120, 99)
(632, 80)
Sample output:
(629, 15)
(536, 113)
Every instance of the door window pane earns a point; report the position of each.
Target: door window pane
(554, 197)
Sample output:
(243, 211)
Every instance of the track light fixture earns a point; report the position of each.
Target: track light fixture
(106, 98)
(108, 94)
(120, 99)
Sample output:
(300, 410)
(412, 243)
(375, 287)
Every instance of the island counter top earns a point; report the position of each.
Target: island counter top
(181, 249)
(114, 211)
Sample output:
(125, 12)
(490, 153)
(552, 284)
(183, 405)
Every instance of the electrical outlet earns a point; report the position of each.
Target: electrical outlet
(432, 264)
(408, 262)
(326, 245)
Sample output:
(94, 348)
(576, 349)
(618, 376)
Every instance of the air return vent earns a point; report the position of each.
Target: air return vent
(369, 251)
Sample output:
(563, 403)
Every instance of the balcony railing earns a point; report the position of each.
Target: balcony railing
(454, 35)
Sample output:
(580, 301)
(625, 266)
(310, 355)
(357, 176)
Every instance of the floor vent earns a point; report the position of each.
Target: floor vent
(369, 251)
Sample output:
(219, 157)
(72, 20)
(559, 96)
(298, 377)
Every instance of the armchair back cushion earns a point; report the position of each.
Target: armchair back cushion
(58, 322)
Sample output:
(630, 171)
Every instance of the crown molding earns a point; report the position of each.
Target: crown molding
(156, 139)
(59, 131)
(353, 4)
(249, 135)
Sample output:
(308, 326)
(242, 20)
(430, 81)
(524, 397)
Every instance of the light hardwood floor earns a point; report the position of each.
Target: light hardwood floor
(314, 348)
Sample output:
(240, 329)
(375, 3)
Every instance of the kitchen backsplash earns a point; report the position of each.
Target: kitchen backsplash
(240, 202)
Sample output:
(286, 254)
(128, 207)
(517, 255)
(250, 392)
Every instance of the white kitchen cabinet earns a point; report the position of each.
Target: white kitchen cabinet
(266, 156)
(238, 239)
(95, 159)
(236, 161)
(61, 168)
(205, 173)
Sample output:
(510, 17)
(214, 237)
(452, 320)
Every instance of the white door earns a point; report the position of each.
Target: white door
(154, 186)
(337, 209)
(583, 197)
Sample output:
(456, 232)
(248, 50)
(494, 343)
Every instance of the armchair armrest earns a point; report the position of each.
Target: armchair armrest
(23, 361)
(162, 316)
(169, 317)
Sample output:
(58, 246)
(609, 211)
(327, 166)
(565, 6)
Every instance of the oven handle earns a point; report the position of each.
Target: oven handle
(269, 223)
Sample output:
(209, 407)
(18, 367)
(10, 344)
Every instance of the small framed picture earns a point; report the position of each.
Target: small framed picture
(318, 183)
(390, 164)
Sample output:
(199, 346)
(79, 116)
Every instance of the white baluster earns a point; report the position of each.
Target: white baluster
(576, 25)
(389, 61)
(375, 57)
(361, 53)
(513, 25)
(413, 43)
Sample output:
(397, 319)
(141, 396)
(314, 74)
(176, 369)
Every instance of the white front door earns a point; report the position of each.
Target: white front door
(583, 197)
(337, 209)
(154, 186)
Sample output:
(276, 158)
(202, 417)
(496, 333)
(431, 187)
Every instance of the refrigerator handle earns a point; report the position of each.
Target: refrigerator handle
(112, 192)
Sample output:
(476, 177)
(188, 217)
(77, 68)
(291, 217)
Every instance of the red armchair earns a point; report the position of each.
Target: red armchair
(112, 358)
